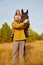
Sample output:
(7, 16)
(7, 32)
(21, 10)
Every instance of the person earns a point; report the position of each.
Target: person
(18, 40)
(17, 14)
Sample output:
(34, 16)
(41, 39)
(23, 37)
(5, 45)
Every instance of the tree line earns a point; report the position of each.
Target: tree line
(5, 34)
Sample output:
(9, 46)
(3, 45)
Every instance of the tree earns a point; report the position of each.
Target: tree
(0, 36)
(6, 31)
(32, 36)
(5, 34)
(41, 36)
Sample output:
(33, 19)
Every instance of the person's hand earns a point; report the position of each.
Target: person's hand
(26, 20)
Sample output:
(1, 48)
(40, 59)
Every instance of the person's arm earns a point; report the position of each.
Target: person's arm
(20, 25)
(17, 26)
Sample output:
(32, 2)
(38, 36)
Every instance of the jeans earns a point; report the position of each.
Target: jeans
(18, 45)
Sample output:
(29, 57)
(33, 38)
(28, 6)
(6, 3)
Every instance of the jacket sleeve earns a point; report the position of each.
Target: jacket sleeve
(18, 26)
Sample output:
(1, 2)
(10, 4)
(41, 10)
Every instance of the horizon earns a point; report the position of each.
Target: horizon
(35, 8)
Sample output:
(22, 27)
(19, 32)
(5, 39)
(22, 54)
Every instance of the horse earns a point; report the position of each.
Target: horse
(24, 15)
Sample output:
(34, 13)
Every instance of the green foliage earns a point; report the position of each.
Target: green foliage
(33, 36)
(0, 36)
(41, 36)
(5, 34)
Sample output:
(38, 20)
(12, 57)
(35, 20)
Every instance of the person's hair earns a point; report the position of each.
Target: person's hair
(16, 12)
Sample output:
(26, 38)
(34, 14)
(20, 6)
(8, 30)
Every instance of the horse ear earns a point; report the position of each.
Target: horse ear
(22, 11)
(27, 12)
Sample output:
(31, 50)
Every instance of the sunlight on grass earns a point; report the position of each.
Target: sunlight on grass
(34, 53)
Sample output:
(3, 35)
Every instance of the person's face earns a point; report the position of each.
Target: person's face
(16, 18)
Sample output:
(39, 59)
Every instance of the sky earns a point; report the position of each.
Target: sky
(35, 12)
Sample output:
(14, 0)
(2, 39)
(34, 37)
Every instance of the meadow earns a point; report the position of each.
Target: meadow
(34, 53)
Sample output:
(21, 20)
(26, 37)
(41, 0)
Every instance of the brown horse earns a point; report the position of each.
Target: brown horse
(24, 15)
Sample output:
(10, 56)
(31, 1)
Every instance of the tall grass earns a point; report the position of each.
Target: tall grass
(34, 53)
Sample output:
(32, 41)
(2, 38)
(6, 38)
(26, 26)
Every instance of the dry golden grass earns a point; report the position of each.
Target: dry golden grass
(34, 53)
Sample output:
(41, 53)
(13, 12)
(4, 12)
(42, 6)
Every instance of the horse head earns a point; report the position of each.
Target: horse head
(24, 15)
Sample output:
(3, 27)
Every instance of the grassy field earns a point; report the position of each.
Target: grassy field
(34, 53)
